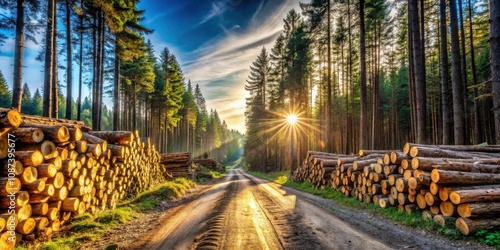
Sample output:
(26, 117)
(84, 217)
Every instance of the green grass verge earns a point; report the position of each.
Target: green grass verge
(87, 227)
(414, 219)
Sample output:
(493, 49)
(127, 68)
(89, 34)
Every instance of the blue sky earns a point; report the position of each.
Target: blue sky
(215, 42)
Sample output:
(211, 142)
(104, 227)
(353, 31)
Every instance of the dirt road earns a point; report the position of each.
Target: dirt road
(244, 212)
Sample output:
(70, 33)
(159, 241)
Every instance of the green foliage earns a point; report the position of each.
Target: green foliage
(491, 238)
(5, 95)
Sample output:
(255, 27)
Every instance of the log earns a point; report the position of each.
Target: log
(443, 220)
(15, 167)
(75, 133)
(35, 187)
(427, 151)
(40, 209)
(29, 158)
(478, 209)
(70, 204)
(447, 208)
(117, 137)
(46, 170)
(467, 178)
(468, 226)
(7, 241)
(26, 226)
(488, 193)
(29, 175)
(57, 133)
(9, 185)
(91, 139)
(28, 135)
(9, 118)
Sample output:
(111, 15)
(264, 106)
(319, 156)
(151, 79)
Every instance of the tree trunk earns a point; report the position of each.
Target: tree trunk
(362, 83)
(116, 90)
(69, 63)
(456, 78)
(47, 83)
(80, 71)
(444, 73)
(495, 63)
(55, 69)
(17, 87)
(420, 94)
(329, 146)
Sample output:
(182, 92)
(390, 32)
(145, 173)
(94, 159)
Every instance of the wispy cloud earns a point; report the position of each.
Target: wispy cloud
(216, 10)
(223, 64)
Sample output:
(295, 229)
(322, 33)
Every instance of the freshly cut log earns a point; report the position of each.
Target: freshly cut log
(26, 226)
(478, 209)
(41, 223)
(427, 151)
(94, 149)
(398, 157)
(18, 200)
(35, 187)
(16, 167)
(489, 193)
(447, 208)
(431, 199)
(57, 133)
(29, 175)
(4, 145)
(23, 212)
(402, 185)
(70, 204)
(427, 215)
(75, 133)
(28, 135)
(118, 137)
(6, 242)
(57, 180)
(40, 209)
(9, 118)
(29, 158)
(410, 208)
(474, 148)
(9, 185)
(434, 209)
(421, 202)
(364, 152)
(443, 220)
(456, 177)
(89, 138)
(468, 226)
(46, 170)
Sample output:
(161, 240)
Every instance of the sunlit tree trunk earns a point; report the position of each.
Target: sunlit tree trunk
(17, 88)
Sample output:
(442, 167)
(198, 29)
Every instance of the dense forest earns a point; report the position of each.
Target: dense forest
(374, 74)
(104, 41)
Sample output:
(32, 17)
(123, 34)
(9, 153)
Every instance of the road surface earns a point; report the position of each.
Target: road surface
(244, 212)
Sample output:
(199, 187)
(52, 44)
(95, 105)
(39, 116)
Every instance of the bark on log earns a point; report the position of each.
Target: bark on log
(117, 137)
(28, 135)
(478, 209)
(468, 226)
(456, 177)
(9, 118)
(491, 193)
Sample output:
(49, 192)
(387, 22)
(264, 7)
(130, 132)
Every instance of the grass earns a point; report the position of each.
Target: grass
(88, 227)
(414, 219)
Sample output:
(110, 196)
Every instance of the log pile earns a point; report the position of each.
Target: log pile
(53, 169)
(458, 184)
(209, 163)
(177, 164)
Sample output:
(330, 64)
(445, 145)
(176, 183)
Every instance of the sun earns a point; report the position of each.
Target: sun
(292, 119)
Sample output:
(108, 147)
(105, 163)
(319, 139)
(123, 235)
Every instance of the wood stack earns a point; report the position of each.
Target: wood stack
(61, 168)
(446, 183)
(209, 163)
(177, 164)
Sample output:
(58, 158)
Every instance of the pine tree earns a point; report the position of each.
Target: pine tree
(5, 95)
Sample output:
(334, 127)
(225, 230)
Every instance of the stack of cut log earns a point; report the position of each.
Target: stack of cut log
(209, 163)
(61, 168)
(177, 164)
(444, 182)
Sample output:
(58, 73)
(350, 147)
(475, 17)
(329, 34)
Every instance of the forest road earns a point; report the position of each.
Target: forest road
(245, 212)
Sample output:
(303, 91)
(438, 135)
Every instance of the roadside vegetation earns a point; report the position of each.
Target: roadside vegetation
(413, 219)
(87, 227)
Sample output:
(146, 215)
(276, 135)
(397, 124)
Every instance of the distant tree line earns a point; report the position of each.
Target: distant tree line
(106, 41)
(374, 74)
